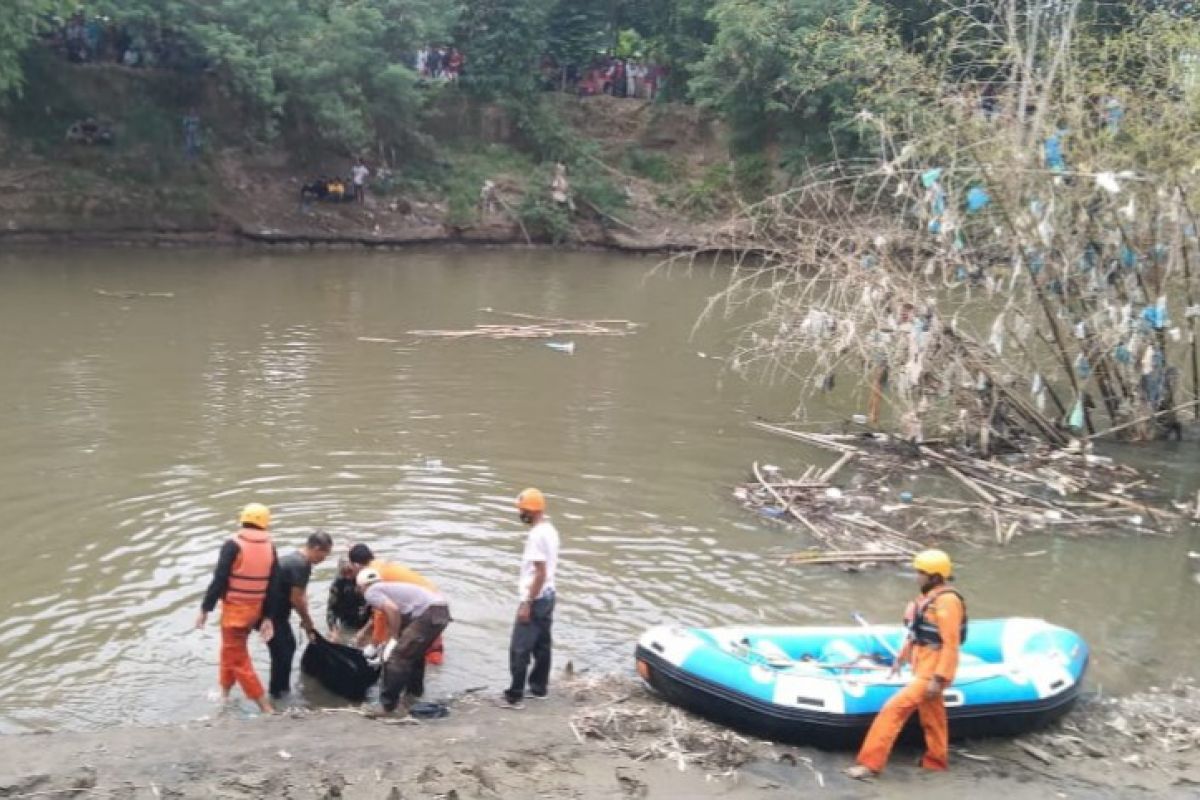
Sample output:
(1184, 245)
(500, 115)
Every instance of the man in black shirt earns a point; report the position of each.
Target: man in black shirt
(290, 591)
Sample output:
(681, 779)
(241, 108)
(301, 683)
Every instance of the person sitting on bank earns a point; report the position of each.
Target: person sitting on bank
(291, 591)
(415, 618)
(244, 572)
(937, 625)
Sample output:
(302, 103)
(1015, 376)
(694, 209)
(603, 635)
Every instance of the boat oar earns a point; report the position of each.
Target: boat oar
(861, 620)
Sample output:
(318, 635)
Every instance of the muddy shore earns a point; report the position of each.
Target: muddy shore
(591, 739)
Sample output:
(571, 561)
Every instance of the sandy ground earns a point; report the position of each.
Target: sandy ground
(598, 739)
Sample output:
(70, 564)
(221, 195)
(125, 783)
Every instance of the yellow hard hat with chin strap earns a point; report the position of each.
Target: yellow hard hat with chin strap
(933, 562)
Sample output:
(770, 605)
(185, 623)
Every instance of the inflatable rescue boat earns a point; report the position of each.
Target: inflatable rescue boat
(824, 685)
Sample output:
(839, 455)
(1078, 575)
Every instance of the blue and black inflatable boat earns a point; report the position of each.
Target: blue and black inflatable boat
(823, 686)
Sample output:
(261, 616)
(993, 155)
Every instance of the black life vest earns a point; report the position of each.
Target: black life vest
(924, 631)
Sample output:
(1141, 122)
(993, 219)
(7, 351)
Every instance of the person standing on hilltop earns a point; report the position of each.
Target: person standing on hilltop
(937, 625)
(531, 636)
(241, 582)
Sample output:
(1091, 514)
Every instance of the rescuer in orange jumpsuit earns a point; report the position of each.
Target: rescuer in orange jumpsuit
(240, 582)
(937, 624)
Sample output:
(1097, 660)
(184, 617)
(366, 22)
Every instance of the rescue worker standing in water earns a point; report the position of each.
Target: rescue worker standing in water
(243, 575)
(937, 626)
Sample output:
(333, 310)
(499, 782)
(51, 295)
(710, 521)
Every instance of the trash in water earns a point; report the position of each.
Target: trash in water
(906, 496)
(1108, 182)
(977, 198)
(562, 347)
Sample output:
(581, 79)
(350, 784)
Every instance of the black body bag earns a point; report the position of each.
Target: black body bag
(341, 669)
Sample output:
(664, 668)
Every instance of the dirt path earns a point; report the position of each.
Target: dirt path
(590, 740)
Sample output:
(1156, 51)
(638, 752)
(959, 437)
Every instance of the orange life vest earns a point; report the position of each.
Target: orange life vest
(252, 570)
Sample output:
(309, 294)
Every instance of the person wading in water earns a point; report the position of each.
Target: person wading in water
(937, 625)
(291, 591)
(244, 572)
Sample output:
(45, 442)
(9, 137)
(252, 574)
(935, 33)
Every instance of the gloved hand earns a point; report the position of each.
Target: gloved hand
(370, 651)
(388, 648)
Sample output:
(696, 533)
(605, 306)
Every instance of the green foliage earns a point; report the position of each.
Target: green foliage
(19, 19)
(593, 187)
(793, 70)
(503, 40)
(704, 197)
(649, 164)
(575, 31)
(543, 218)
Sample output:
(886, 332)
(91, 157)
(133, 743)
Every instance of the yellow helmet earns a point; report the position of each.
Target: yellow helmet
(531, 500)
(933, 562)
(255, 514)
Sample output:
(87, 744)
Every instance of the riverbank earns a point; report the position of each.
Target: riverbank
(592, 739)
(645, 177)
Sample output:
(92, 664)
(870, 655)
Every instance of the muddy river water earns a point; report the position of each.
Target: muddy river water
(134, 428)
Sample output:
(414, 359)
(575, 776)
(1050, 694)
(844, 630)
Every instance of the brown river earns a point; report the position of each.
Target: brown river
(134, 429)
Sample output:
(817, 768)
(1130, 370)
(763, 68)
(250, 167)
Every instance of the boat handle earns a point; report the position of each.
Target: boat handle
(952, 698)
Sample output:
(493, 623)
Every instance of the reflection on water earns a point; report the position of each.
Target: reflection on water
(134, 430)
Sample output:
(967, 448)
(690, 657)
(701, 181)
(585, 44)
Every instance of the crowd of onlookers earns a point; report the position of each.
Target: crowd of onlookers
(439, 63)
(86, 39)
(618, 77)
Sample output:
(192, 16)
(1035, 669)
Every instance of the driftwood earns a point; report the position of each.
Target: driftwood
(1043, 489)
(538, 328)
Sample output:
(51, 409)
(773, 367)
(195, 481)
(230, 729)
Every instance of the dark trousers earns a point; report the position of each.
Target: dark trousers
(406, 664)
(531, 640)
(283, 649)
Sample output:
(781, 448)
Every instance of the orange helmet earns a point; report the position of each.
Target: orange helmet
(255, 514)
(531, 500)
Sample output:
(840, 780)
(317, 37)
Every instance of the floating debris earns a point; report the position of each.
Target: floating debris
(538, 328)
(1041, 489)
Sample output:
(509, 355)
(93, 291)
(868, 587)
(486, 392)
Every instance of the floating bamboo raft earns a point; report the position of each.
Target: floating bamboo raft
(537, 328)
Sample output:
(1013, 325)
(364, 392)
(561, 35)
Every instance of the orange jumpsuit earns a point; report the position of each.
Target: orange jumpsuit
(945, 609)
(240, 582)
(237, 620)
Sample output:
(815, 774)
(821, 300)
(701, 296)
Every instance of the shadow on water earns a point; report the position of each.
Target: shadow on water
(135, 428)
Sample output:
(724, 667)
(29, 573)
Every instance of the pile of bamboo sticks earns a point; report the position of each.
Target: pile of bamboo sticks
(978, 500)
(538, 327)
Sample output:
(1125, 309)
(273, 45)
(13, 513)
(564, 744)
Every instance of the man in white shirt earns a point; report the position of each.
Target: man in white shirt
(359, 174)
(535, 614)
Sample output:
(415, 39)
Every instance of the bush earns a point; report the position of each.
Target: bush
(650, 165)
(543, 218)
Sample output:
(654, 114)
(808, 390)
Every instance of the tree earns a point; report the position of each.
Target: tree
(576, 31)
(788, 72)
(19, 20)
(1020, 267)
(503, 41)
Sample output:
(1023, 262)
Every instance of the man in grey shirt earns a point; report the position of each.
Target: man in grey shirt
(416, 616)
(290, 590)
